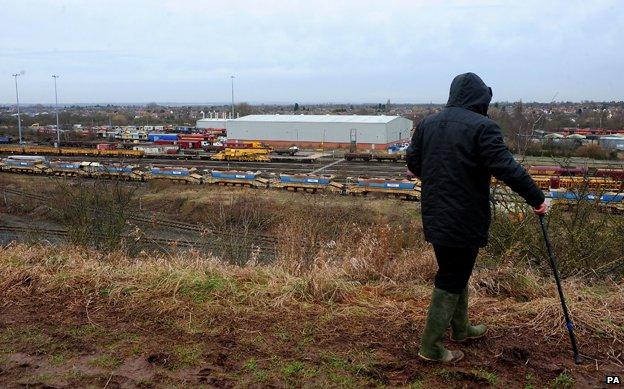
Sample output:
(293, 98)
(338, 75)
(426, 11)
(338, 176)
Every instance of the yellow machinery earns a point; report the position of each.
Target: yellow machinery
(252, 152)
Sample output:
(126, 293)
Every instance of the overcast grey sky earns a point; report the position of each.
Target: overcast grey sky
(309, 51)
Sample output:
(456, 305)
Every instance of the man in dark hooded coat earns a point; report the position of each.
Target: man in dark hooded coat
(455, 153)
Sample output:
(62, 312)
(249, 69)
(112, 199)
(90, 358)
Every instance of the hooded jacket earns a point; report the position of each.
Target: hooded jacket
(455, 153)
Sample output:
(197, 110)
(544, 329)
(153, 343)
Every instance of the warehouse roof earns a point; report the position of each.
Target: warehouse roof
(317, 118)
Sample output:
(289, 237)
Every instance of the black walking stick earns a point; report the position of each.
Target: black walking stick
(553, 265)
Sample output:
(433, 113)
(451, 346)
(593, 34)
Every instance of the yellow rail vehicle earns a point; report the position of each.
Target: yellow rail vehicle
(71, 151)
(247, 155)
(11, 150)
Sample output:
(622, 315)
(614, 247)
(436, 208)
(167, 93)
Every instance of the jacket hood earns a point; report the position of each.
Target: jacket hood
(469, 91)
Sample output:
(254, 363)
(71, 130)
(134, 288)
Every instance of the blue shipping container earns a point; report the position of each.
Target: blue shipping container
(572, 195)
(13, 162)
(234, 175)
(63, 165)
(388, 184)
(157, 137)
(177, 172)
(116, 169)
(304, 180)
(612, 198)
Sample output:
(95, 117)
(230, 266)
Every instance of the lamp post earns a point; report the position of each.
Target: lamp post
(19, 120)
(232, 79)
(58, 129)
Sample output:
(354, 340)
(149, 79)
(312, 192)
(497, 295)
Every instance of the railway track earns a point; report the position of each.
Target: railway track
(162, 242)
(266, 242)
(343, 169)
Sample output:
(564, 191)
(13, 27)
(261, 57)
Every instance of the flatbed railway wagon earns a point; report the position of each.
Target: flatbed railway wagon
(25, 164)
(236, 178)
(71, 151)
(174, 173)
(405, 189)
(307, 182)
(124, 172)
(127, 153)
(610, 202)
(12, 149)
(366, 157)
(597, 184)
(64, 168)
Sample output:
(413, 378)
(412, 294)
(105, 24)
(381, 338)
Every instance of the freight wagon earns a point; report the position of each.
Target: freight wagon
(176, 174)
(62, 168)
(236, 178)
(307, 182)
(43, 150)
(127, 172)
(611, 202)
(24, 164)
(373, 157)
(406, 189)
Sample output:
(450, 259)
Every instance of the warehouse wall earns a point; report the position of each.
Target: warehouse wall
(399, 128)
(211, 123)
(373, 133)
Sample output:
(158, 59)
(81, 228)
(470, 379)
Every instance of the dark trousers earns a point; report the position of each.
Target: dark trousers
(454, 267)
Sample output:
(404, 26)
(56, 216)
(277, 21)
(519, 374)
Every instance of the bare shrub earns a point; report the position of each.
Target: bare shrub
(94, 212)
(586, 241)
(592, 150)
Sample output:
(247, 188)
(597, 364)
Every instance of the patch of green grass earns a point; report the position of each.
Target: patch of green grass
(104, 292)
(82, 331)
(261, 375)
(251, 365)
(105, 361)
(529, 384)
(563, 380)
(337, 363)
(201, 288)
(57, 359)
(416, 384)
(342, 380)
(29, 337)
(486, 376)
(293, 368)
(296, 370)
(73, 375)
(187, 355)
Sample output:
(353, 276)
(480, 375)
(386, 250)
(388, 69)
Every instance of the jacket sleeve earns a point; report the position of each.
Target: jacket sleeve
(413, 154)
(500, 162)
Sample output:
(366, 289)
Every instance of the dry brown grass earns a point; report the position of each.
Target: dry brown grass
(398, 289)
(346, 267)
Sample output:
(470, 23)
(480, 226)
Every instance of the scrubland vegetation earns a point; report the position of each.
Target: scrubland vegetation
(341, 303)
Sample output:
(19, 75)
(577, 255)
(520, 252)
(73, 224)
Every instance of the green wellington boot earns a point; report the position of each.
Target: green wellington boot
(438, 319)
(461, 329)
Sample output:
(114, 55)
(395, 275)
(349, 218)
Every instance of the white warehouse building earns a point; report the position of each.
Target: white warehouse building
(330, 131)
(211, 123)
